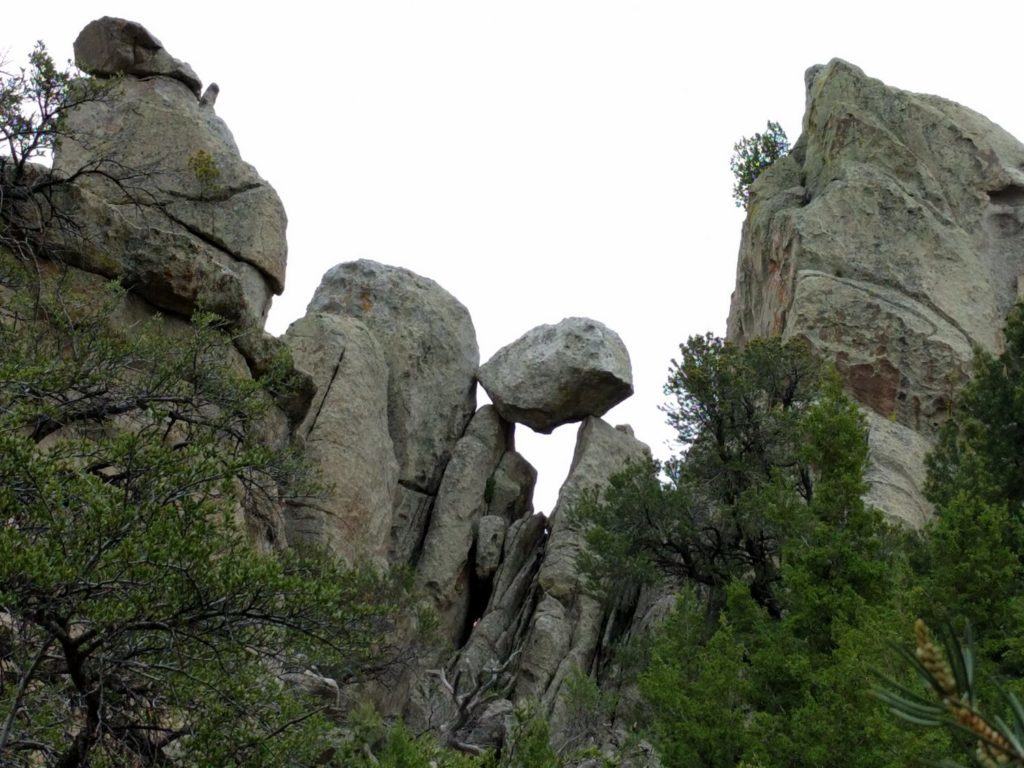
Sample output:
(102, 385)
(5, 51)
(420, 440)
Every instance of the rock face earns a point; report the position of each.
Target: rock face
(432, 355)
(189, 220)
(110, 46)
(154, 194)
(430, 347)
(346, 436)
(444, 569)
(892, 238)
(538, 626)
(567, 630)
(555, 374)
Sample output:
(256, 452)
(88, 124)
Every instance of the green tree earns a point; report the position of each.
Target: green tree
(973, 557)
(751, 155)
(790, 584)
(139, 625)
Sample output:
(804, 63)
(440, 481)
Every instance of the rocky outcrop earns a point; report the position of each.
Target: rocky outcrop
(892, 238)
(445, 568)
(346, 437)
(556, 374)
(430, 347)
(567, 630)
(108, 47)
(431, 350)
(539, 626)
(171, 207)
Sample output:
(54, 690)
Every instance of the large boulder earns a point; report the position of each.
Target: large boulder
(161, 180)
(346, 437)
(110, 46)
(430, 347)
(555, 374)
(891, 238)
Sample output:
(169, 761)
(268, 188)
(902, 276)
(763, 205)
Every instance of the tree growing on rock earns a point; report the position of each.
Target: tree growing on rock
(139, 624)
(751, 155)
(34, 103)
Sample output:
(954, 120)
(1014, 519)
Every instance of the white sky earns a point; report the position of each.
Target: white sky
(540, 158)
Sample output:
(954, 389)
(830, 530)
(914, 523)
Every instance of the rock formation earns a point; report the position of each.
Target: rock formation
(187, 222)
(555, 374)
(892, 238)
(346, 436)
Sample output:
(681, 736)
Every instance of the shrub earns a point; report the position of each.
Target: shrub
(751, 155)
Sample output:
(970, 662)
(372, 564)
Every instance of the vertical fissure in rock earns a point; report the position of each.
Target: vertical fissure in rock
(479, 589)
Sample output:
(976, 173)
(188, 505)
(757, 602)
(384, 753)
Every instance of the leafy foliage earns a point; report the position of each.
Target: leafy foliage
(972, 565)
(139, 620)
(751, 155)
(790, 585)
(32, 103)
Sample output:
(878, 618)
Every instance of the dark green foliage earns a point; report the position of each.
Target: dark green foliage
(790, 584)
(973, 563)
(370, 743)
(719, 512)
(32, 102)
(752, 155)
(138, 618)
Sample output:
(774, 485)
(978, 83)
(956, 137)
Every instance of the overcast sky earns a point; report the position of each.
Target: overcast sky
(540, 159)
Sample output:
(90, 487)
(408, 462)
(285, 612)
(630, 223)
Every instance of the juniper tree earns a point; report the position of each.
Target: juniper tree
(139, 624)
(789, 583)
(751, 155)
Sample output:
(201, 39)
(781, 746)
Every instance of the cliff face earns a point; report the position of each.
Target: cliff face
(892, 238)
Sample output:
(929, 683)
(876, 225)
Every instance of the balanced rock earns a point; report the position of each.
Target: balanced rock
(111, 46)
(892, 239)
(173, 207)
(432, 356)
(555, 374)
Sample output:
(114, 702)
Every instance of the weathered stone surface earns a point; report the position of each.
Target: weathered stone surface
(896, 474)
(346, 435)
(431, 350)
(493, 726)
(189, 200)
(565, 636)
(502, 627)
(555, 374)
(110, 46)
(892, 237)
(168, 268)
(511, 489)
(601, 451)
(408, 525)
(490, 538)
(443, 570)
(262, 352)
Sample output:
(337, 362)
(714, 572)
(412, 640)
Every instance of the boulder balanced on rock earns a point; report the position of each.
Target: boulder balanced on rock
(111, 46)
(555, 374)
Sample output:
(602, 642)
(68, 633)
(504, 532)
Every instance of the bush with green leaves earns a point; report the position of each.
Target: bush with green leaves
(751, 155)
(139, 625)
